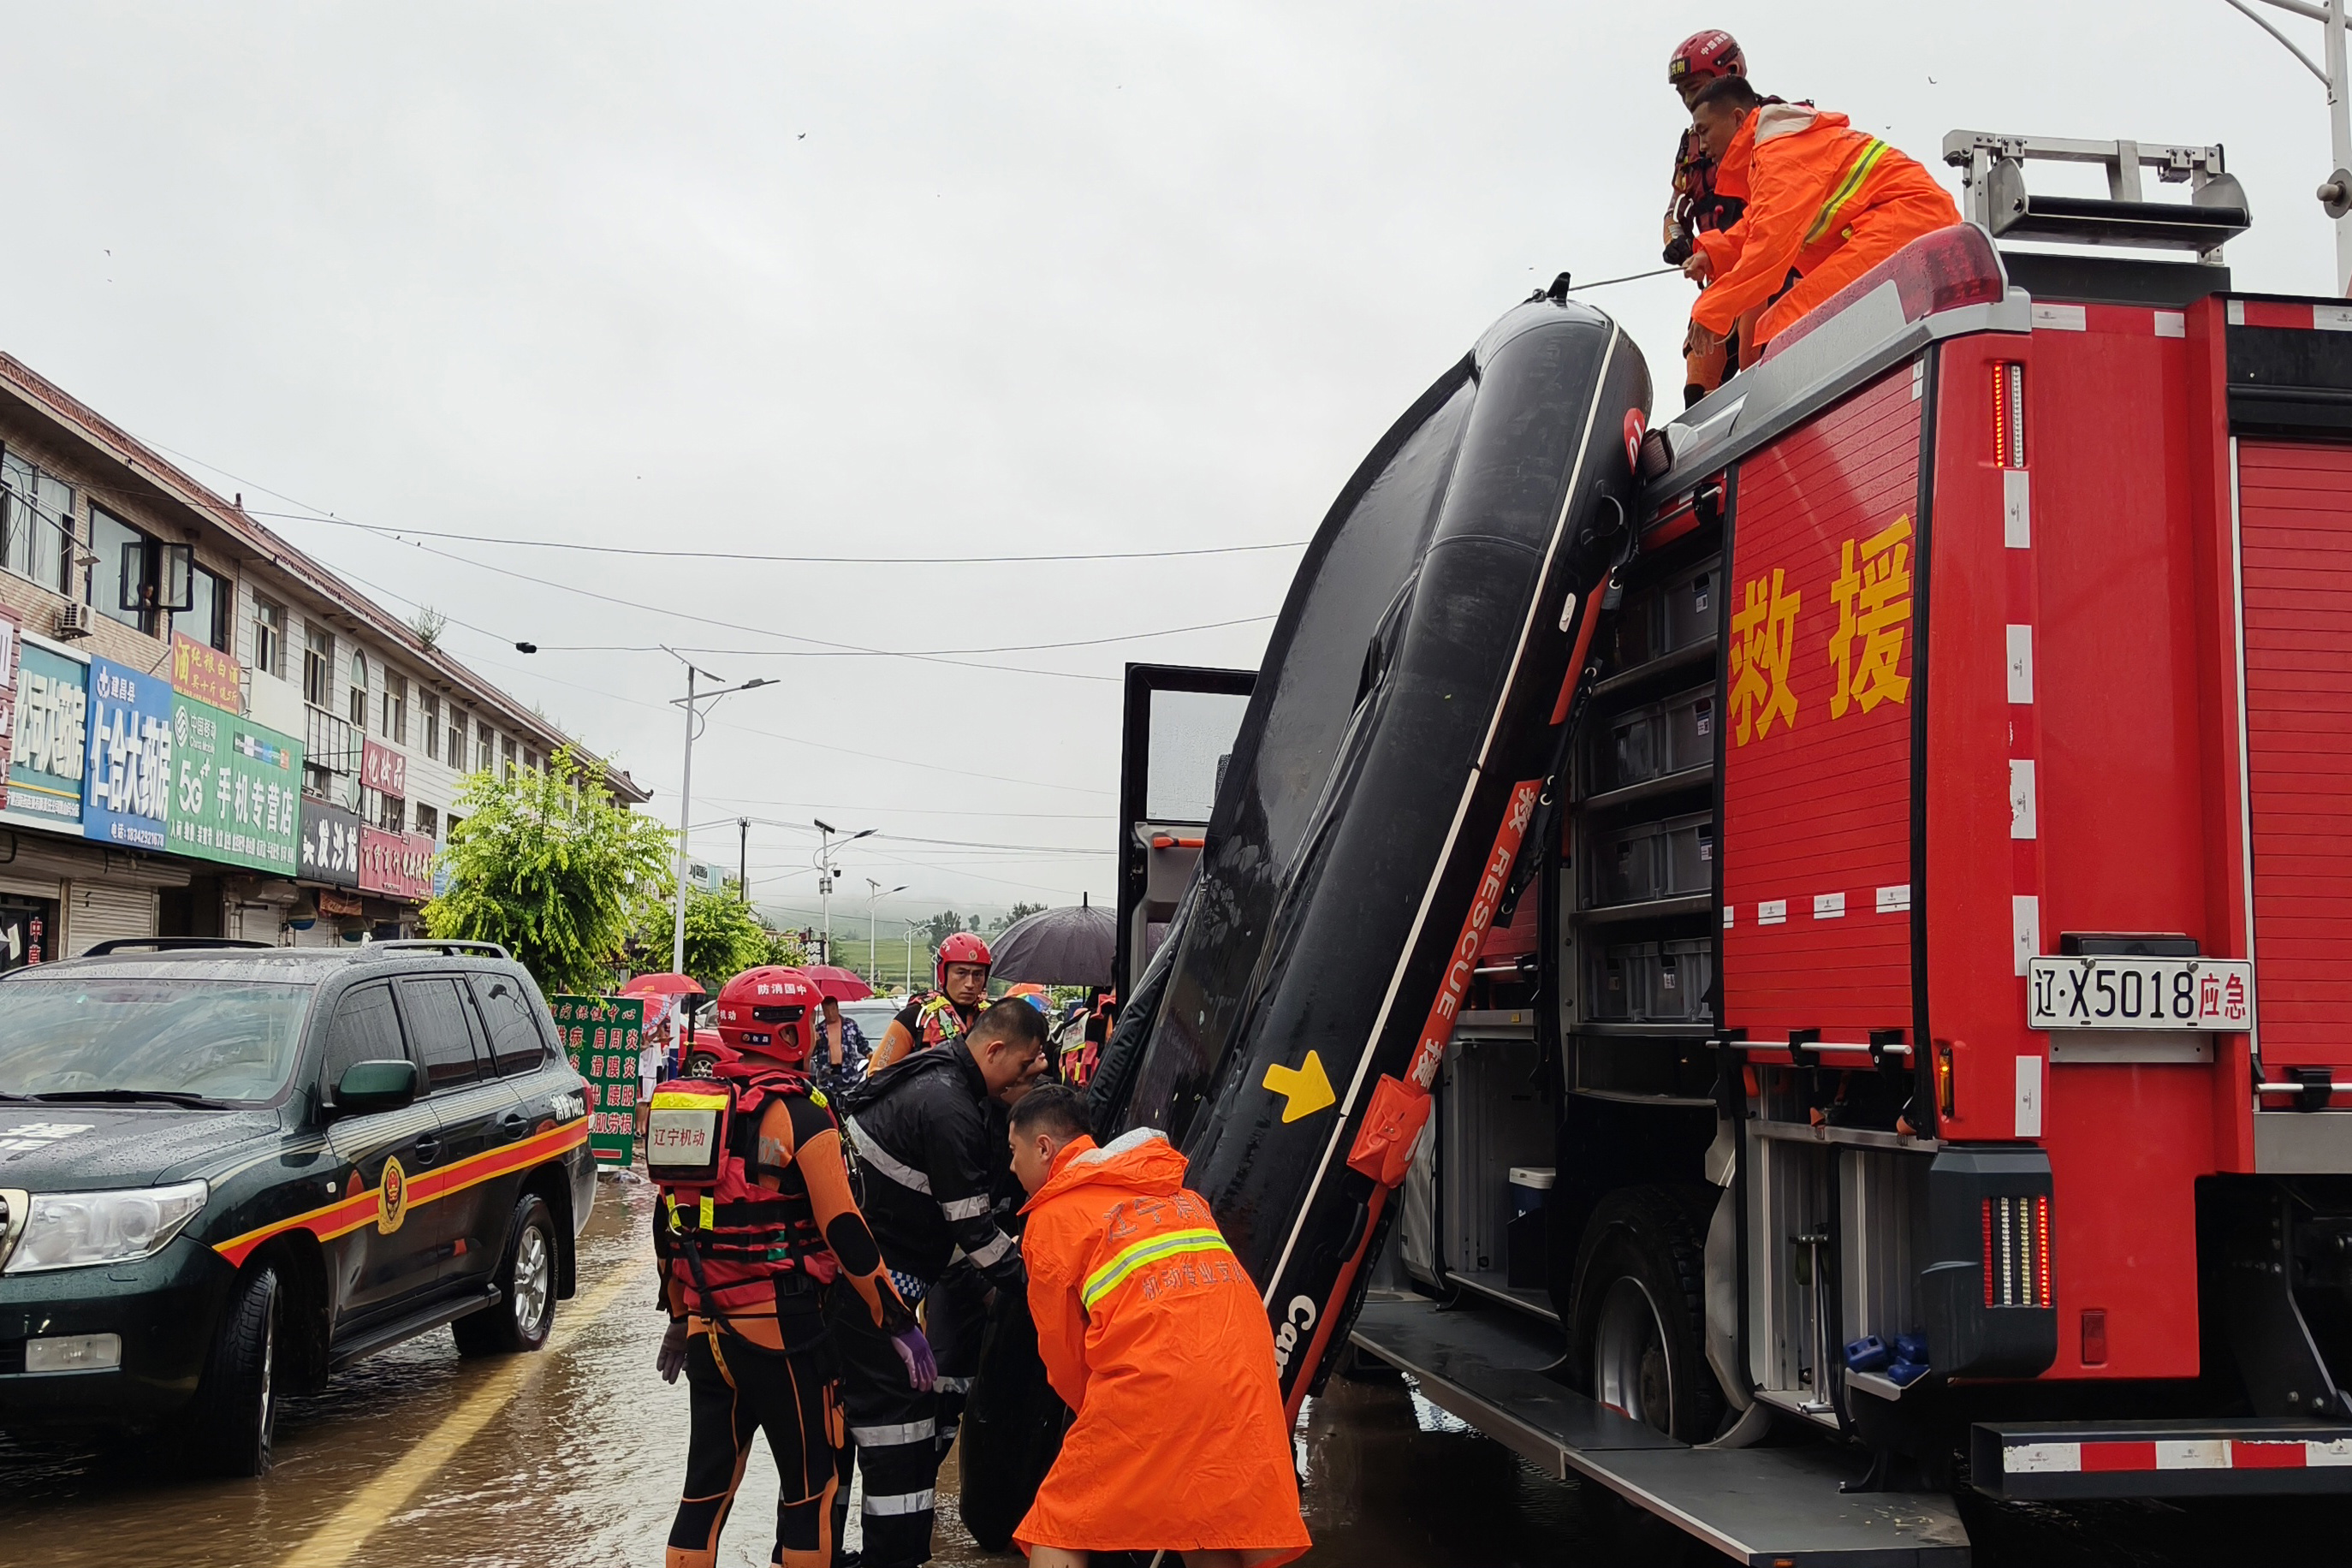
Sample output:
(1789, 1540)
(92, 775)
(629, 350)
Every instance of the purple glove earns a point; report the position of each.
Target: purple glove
(922, 1370)
(671, 1357)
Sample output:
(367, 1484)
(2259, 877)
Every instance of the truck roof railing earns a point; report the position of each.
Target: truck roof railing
(447, 949)
(163, 945)
(1992, 171)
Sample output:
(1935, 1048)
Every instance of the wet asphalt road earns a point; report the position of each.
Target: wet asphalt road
(574, 1456)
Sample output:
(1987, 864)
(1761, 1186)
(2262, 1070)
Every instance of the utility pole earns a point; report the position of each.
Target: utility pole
(826, 871)
(694, 718)
(911, 958)
(873, 958)
(2336, 191)
(743, 859)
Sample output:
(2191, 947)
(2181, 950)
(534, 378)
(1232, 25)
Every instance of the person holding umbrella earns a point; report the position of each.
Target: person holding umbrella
(942, 1018)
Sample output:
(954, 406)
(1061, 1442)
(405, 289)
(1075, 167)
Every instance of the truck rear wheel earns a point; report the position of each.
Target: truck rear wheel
(1641, 1310)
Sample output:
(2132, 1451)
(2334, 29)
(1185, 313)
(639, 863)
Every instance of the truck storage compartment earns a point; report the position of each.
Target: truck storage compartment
(1635, 632)
(1687, 725)
(1689, 607)
(1686, 856)
(1617, 992)
(1494, 1145)
(1625, 869)
(1629, 749)
(1685, 972)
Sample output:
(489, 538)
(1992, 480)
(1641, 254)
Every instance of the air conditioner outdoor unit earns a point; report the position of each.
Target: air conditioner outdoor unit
(73, 621)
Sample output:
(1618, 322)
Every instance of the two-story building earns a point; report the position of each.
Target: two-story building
(209, 732)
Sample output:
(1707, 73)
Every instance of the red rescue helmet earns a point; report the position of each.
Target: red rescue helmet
(1703, 56)
(962, 948)
(767, 1010)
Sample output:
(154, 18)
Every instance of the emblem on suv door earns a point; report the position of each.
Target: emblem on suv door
(392, 1198)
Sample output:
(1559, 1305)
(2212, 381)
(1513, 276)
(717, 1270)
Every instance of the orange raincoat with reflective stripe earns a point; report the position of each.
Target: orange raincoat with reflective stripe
(1152, 1334)
(1823, 198)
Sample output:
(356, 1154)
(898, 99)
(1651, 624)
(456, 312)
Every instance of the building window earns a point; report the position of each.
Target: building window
(395, 708)
(391, 811)
(458, 723)
(36, 524)
(428, 821)
(317, 664)
(120, 573)
(428, 719)
(484, 760)
(269, 637)
(507, 749)
(359, 690)
(530, 761)
(206, 619)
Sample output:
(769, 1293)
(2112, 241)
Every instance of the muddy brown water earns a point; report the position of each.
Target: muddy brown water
(583, 1464)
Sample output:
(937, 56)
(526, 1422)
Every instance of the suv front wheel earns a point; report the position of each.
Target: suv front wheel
(229, 1429)
(526, 1283)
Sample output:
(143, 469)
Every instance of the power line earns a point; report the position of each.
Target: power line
(727, 724)
(844, 651)
(737, 555)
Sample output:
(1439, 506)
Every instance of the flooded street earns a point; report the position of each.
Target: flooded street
(574, 1456)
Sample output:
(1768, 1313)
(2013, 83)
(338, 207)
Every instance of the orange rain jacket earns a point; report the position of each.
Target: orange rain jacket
(1823, 198)
(1151, 1331)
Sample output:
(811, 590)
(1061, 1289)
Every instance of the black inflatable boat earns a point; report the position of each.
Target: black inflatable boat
(1396, 753)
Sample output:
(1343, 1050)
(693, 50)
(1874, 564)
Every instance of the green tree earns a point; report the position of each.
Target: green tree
(723, 938)
(548, 864)
(1020, 912)
(941, 926)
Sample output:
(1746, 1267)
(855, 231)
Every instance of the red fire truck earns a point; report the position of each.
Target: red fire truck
(1923, 1058)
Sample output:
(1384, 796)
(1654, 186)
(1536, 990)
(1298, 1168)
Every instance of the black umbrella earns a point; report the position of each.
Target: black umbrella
(1058, 947)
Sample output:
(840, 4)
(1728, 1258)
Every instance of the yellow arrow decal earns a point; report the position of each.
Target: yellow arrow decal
(1306, 1085)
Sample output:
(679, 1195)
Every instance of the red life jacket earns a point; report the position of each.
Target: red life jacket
(734, 1246)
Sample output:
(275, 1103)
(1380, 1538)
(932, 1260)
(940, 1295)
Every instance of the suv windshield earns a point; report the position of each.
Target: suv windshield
(225, 1040)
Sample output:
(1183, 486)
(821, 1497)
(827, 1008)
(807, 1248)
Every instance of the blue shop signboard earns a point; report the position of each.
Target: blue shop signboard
(129, 756)
(45, 770)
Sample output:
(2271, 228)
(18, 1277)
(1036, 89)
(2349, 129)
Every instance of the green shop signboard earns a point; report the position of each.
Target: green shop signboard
(237, 793)
(601, 1034)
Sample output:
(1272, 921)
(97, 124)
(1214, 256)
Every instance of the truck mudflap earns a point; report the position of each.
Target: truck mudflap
(2047, 1460)
(1761, 1506)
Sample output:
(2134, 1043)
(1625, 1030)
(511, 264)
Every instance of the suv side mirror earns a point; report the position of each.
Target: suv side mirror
(375, 1086)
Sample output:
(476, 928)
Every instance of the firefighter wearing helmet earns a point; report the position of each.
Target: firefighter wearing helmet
(755, 1228)
(961, 971)
(1700, 203)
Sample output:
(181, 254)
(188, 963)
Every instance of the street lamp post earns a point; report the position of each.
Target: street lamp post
(694, 721)
(911, 958)
(2336, 191)
(875, 891)
(826, 871)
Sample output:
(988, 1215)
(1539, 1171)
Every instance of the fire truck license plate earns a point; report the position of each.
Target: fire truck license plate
(2109, 992)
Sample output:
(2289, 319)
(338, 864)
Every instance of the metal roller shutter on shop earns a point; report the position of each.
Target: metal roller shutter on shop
(99, 911)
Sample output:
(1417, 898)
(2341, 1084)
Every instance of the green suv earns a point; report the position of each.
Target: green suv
(229, 1170)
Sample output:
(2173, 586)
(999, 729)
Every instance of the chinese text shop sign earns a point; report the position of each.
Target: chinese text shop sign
(129, 757)
(237, 791)
(206, 674)
(397, 865)
(329, 850)
(601, 1034)
(52, 727)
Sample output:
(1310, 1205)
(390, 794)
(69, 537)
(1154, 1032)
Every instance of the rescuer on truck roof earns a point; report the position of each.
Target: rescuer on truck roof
(961, 970)
(1826, 199)
(1702, 202)
(1155, 1338)
(929, 1150)
(756, 1226)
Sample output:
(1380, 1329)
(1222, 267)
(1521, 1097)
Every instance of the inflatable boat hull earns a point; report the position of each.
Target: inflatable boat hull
(1397, 747)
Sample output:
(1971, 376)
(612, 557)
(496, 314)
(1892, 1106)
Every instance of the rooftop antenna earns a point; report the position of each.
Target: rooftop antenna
(2334, 192)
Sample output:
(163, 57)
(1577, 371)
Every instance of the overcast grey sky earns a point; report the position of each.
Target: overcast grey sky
(915, 281)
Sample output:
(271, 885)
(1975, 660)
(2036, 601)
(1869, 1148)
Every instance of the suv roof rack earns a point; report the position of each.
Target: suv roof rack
(450, 948)
(1992, 174)
(164, 944)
